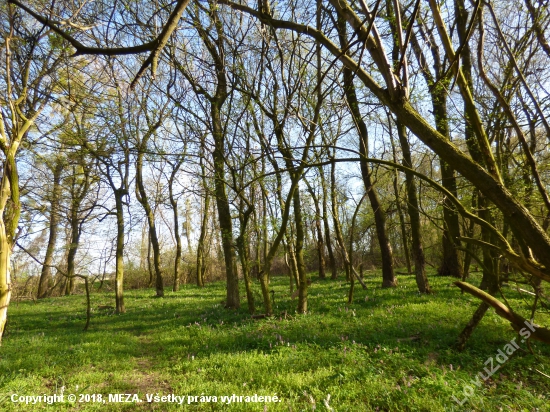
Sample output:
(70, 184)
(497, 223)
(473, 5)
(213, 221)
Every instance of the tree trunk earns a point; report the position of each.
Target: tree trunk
(174, 204)
(5, 281)
(243, 247)
(318, 232)
(217, 52)
(245, 264)
(336, 220)
(292, 264)
(144, 248)
(119, 267)
(149, 261)
(450, 262)
(414, 215)
(46, 275)
(388, 276)
(330, 250)
(224, 213)
(141, 196)
(470, 249)
(201, 263)
(302, 274)
(79, 191)
(73, 248)
(10, 210)
(401, 218)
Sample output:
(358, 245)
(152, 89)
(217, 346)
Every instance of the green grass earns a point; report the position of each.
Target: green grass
(391, 350)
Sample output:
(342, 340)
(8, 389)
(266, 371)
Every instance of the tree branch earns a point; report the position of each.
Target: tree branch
(155, 46)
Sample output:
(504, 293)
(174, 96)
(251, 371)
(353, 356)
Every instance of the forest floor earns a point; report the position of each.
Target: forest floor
(391, 350)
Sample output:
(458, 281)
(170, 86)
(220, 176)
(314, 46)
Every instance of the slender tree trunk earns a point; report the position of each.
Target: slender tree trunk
(144, 248)
(245, 264)
(142, 198)
(217, 52)
(298, 220)
(290, 275)
(330, 250)
(224, 213)
(450, 262)
(79, 191)
(45, 275)
(119, 266)
(336, 220)
(402, 223)
(201, 264)
(73, 248)
(388, 275)
(470, 247)
(243, 247)
(414, 215)
(149, 261)
(292, 263)
(318, 232)
(159, 282)
(400, 210)
(302, 274)
(174, 204)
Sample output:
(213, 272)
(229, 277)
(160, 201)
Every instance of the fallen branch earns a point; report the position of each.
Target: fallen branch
(518, 322)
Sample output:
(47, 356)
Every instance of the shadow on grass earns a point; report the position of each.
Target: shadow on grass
(393, 333)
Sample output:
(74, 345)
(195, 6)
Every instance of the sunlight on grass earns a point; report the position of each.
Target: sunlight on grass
(391, 350)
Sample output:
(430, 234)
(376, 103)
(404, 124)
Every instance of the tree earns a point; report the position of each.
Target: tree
(26, 89)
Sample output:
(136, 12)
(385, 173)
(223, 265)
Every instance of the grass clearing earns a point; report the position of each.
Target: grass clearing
(391, 350)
